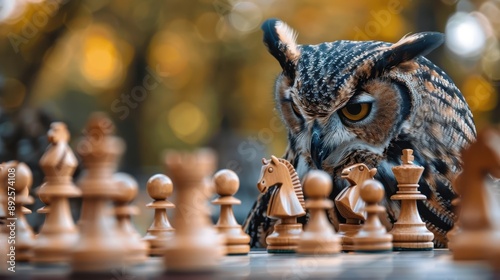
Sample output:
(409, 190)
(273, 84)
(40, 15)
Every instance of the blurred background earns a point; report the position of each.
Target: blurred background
(183, 74)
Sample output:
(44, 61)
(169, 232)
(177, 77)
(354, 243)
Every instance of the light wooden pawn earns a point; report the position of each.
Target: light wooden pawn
(319, 236)
(409, 232)
(25, 238)
(226, 185)
(159, 188)
(137, 249)
(373, 236)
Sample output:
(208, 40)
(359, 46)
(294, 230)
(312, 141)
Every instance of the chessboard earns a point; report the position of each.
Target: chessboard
(104, 243)
(437, 264)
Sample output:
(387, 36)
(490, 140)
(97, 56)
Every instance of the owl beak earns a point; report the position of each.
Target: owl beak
(318, 152)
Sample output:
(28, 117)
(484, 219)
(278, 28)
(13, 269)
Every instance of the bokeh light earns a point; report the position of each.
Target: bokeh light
(101, 65)
(479, 93)
(465, 35)
(188, 122)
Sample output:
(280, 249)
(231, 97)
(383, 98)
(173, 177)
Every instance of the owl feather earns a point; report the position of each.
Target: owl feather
(348, 102)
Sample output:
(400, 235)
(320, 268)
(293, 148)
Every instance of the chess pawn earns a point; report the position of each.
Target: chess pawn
(137, 249)
(58, 234)
(373, 236)
(25, 238)
(159, 188)
(196, 245)
(99, 248)
(409, 232)
(226, 185)
(319, 236)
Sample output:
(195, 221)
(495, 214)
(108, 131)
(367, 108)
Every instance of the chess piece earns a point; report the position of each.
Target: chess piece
(409, 232)
(479, 216)
(226, 185)
(137, 249)
(99, 248)
(319, 236)
(196, 245)
(350, 205)
(159, 188)
(373, 236)
(456, 221)
(18, 179)
(58, 234)
(286, 204)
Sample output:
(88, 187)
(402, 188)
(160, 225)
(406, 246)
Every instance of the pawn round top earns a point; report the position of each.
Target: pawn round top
(226, 182)
(372, 191)
(159, 187)
(126, 187)
(317, 184)
(23, 176)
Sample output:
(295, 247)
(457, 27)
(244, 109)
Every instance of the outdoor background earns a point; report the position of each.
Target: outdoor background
(185, 74)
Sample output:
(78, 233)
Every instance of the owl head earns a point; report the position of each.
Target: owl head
(339, 98)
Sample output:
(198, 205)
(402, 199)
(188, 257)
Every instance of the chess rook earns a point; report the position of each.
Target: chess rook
(409, 232)
(159, 188)
(137, 249)
(196, 245)
(373, 236)
(319, 236)
(99, 248)
(58, 235)
(226, 185)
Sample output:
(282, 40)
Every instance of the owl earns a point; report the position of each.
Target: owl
(348, 102)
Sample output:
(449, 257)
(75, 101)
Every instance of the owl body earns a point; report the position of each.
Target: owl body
(348, 102)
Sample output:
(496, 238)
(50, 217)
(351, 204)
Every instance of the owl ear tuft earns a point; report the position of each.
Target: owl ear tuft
(408, 48)
(280, 40)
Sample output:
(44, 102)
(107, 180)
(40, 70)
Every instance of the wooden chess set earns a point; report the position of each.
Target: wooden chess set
(104, 243)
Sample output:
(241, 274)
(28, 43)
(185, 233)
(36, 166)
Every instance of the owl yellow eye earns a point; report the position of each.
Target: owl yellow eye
(356, 111)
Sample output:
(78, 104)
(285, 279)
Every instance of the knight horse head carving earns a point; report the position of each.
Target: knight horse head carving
(287, 199)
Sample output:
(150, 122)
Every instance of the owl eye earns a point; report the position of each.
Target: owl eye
(356, 111)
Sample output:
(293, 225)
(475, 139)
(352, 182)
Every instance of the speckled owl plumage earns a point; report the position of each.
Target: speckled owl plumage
(412, 104)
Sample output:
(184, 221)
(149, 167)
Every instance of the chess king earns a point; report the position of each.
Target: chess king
(348, 102)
